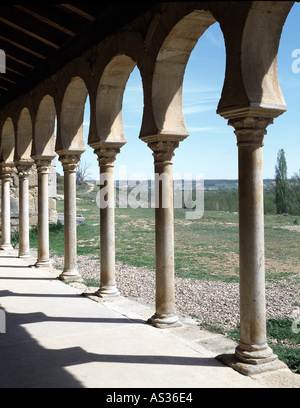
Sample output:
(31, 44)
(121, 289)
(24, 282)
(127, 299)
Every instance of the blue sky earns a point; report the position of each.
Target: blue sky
(211, 147)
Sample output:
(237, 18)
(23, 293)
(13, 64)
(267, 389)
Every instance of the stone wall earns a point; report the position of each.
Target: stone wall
(33, 198)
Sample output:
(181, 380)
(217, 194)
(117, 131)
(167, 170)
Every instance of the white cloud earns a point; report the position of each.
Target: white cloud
(190, 88)
(214, 39)
(134, 88)
(200, 99)
(208, 129)
(201, 129)
(131, 126)
(190, 110)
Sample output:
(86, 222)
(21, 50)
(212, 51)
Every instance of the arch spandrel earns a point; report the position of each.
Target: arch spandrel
(168, 74)
(260, 45)
(7, 144)
(24, 137)
(251, 84)
(109, 100)
(70, 135)
(44, 132)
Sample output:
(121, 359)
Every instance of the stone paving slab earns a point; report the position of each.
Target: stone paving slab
(55, 337)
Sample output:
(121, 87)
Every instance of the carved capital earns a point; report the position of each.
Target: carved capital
(43, 166)
(6, 171)
(69, 162)
(163, 151)
(106, 156)
(24, 169)
(250, 131)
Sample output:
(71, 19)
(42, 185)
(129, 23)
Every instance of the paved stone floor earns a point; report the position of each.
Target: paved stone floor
(55, 337)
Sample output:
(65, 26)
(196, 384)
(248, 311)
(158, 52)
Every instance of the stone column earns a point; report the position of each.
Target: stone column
(70, 163)
(165, 316)
(253, 354)
(106, 159)
(43, 166)
(6, 172)
(23, 169)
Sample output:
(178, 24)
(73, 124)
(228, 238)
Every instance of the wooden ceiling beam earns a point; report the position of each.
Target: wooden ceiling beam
(4, 78)
(29, 25)
(46, 20)
(22, 47)
(19, 61)
(74, 27)
(78, 11)
(30, 33)
(8, 69)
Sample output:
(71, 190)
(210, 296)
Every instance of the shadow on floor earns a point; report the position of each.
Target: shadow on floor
(26, 364)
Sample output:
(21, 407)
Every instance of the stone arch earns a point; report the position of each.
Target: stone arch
(24, 136)
(251, 80)
(169, 71)
(259, 50)
(70, 135)
(7, 142)
(44, 132)
(109, 99)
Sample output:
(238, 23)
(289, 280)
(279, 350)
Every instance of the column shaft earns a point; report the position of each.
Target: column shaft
(251, 237)
(252, 348)
(165, 315)
(106, 159)
(5, 209)
(70, 272)
(23, 173)
(43, 213)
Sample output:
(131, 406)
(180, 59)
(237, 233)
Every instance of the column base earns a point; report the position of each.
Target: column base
(252, 359)
(164, 321)
(24, 256)
(107, 291)
(250, 369)
(68, 276)
(43, 264)
(6, 247)
(254, 354)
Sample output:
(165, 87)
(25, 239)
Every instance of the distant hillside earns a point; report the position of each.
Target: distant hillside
(209, 185)
(221, 184)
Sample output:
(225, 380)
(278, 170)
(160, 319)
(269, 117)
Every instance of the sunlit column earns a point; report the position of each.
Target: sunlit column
(23, 169)
(6, 172)
(70, 163)
(43, 166)
(165, 316)
(252, 347)
(106, 159)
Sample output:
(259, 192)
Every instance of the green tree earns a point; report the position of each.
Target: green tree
(82, 172)
(282, 184)
(294, 194)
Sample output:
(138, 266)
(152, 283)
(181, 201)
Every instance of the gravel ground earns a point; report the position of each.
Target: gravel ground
(211, 301)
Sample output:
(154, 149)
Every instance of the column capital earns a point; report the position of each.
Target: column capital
(250, 131)
(163, 151)
(107, 155)
(43, 165)
(69, 162)
(6, 171)
(24, 167)
(107, 151)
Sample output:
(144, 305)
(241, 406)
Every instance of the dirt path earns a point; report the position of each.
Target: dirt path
(92, 186)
